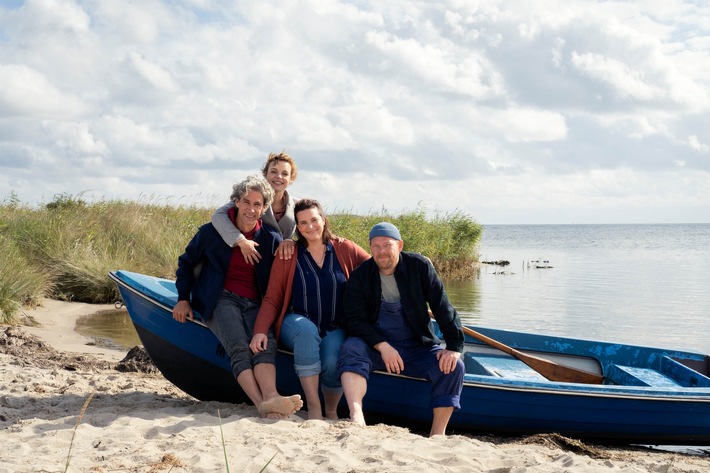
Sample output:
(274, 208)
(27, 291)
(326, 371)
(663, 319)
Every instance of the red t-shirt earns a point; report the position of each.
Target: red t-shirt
(241, 276)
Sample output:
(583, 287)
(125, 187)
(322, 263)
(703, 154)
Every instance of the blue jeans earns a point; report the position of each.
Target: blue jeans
(232, 322)
(312, 354)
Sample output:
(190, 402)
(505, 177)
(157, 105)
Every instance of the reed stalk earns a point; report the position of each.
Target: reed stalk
(224, 445)
(76, 426)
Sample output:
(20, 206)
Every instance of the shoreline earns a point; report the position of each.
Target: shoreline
(140, 422)
(55, 325)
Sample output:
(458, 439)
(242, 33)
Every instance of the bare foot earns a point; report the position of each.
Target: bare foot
(358, 418)
(332, 416)
(284, 405)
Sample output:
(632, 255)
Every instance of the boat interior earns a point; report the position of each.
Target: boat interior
(671, 373)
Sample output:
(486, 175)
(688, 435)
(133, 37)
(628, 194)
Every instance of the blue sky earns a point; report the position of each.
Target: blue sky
(570, 111)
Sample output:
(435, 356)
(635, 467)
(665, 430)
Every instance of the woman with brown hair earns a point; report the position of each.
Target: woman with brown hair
(304, 302)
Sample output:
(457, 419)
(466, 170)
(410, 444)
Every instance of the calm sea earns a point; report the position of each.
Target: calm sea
(640, 284)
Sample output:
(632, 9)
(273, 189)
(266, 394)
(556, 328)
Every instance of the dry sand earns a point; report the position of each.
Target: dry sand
(139, 422)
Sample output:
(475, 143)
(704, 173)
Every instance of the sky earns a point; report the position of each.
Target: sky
(512, 112)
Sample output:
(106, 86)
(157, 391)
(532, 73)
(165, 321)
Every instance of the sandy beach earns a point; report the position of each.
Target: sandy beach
(62, 398)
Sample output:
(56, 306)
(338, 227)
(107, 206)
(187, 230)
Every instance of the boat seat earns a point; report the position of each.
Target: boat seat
(684, 375)
(633, 376)
(500, 365)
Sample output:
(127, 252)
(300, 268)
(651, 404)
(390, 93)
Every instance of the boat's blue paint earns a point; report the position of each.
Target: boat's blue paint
(651, 395)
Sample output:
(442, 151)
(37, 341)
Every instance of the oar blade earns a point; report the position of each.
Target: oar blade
(549, 369)
(559, 373)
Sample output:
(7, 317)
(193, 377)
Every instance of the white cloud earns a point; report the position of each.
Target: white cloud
(25, 92)
(697, 145)
(514, 111)
(625, 82)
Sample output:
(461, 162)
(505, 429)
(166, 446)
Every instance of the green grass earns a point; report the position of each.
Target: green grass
(64, 249)
(450, 240)
(21, 283)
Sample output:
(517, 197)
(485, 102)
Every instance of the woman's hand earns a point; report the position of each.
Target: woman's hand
(248, 247)
(285, 249)
(258, 342)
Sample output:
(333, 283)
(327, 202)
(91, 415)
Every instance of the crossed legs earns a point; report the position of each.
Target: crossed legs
(259, 385)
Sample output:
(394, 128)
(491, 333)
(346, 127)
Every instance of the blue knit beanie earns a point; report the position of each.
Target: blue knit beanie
(385, 229)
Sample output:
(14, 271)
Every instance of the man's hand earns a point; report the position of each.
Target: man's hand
(285, 249)
(447, 360)
(258, 342)
(248, 247)
(182, 311)
(393, 362)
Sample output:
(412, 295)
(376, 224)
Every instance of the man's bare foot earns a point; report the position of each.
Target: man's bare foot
(284, 405)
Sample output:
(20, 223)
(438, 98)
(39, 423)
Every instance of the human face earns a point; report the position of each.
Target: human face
(249, 209)
(310, 225)
(385, 251)
(279, 175)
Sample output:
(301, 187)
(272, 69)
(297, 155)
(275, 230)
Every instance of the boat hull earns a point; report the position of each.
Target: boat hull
(192, 358)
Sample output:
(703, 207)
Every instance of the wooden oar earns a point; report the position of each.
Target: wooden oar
(549, 369)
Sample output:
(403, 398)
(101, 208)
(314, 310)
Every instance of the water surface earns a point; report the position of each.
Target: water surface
(642, 284)
(111, 327)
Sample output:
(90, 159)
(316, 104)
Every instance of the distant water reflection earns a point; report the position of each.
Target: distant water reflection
(466, 297)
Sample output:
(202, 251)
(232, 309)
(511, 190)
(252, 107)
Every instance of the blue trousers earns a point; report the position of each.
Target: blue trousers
(420, 361)
(232, 322)
(312, 354)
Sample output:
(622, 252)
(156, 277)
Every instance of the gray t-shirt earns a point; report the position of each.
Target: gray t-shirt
(390, 291)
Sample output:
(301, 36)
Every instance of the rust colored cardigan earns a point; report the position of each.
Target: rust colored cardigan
(278, 295)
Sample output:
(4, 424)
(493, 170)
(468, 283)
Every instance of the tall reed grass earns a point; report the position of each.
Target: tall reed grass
(64, 249)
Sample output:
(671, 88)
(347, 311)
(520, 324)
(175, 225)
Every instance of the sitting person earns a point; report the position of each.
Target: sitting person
(280, 171)
(388, 325)
(217, 282)
(304, 301)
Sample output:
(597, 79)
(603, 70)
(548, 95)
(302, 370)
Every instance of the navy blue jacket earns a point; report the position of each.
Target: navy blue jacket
(419, 288)
(202, 268)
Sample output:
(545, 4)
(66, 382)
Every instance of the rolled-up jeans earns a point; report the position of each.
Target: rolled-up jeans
(232, 322)
(312, 354)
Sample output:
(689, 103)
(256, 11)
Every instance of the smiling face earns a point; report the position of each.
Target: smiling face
(310, 225)
(385, 251)
(250, 207)
(279, 175)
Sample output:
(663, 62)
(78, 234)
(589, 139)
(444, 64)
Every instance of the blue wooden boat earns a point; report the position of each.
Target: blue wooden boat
(649, 395)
